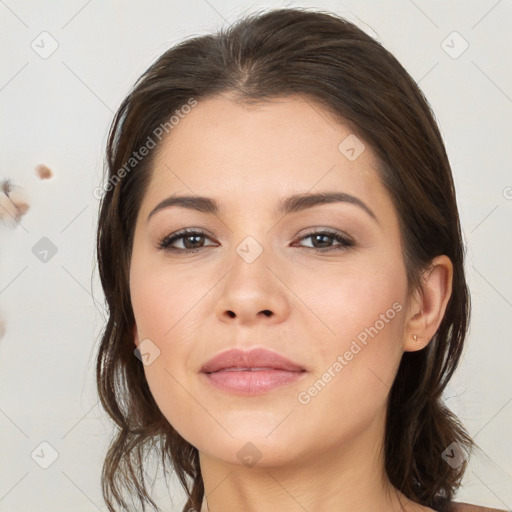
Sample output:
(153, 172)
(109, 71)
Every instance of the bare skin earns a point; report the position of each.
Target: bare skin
(325, 454)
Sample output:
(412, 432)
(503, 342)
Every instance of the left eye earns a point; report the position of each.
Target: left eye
(323, 237)
(193, 241)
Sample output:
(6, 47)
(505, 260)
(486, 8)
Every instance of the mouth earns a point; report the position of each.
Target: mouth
(251, 372)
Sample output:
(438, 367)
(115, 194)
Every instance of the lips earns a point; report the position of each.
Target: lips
(259, 359)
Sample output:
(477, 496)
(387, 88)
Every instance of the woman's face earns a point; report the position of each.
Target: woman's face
(336, 310)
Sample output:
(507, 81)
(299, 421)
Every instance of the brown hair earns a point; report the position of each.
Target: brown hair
(332, 62)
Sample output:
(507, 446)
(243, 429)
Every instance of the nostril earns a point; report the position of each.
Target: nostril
(266, 312)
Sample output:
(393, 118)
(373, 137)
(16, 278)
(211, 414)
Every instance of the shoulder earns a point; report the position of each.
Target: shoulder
(468, 507)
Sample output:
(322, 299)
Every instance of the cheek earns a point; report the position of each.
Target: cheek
(163, 301)
(361, 301)
(162, 316)
(357, 338)
(163, 307)
(356, 365)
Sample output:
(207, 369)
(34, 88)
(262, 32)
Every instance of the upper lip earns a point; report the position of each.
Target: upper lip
(255, 358)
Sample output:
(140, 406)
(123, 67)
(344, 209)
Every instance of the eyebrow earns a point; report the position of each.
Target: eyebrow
(291, 204)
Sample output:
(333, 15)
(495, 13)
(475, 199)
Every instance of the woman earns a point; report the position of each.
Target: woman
(280, 247)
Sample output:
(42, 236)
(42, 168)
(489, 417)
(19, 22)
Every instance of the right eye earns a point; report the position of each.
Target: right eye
(191, 239)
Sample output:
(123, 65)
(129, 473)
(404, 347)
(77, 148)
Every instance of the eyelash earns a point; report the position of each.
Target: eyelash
(344, 242)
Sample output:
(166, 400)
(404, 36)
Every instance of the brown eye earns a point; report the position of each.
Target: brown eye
(191, 240)
(323, 240)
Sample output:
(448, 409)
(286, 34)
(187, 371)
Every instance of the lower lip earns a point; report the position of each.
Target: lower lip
(246, 382)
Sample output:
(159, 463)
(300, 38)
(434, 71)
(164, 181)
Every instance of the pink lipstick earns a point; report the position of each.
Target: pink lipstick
(251, 372)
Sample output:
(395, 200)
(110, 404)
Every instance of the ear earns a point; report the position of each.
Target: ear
(428, 306)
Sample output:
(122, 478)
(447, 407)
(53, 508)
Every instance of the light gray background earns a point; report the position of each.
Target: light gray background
(57, 110)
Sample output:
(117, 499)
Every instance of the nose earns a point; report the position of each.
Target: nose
(253, 292)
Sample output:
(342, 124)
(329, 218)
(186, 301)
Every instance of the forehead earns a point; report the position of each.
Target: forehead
(242, 153)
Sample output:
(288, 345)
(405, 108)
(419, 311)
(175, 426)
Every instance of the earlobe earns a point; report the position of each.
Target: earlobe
(431, 305)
